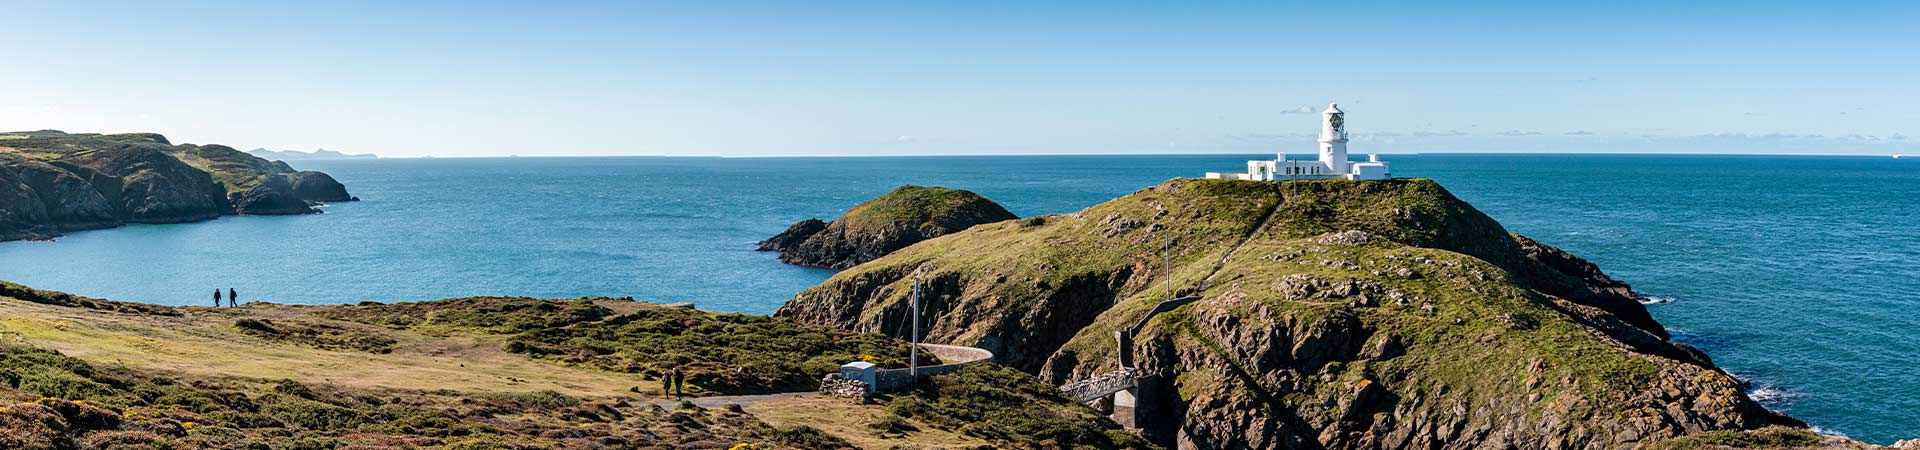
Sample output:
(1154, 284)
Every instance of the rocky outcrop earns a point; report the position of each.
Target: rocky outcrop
(1331, 314)
(795, 235)
(53, 182)
(907, 215)
(146, 185)
(318, 187)
(271, 196)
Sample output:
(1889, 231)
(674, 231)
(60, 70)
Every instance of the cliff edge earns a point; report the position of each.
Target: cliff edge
(53, 182)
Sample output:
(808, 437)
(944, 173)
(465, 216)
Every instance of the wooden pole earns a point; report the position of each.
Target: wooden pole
(913, 352)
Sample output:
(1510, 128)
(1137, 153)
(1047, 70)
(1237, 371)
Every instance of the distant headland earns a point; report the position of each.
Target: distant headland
(316, 155)
(53, 182)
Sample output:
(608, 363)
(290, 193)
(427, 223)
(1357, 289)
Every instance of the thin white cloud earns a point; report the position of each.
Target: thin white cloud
(1519, 133)
(1578, 133)
(1300, 110)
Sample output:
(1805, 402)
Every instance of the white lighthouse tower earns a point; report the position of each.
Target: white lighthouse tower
(1333, 139)
(1332, 165)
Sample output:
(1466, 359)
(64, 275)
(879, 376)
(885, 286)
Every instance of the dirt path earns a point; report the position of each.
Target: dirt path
(1279, 200)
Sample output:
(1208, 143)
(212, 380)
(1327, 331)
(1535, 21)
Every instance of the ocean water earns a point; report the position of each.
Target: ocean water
(1800, 274)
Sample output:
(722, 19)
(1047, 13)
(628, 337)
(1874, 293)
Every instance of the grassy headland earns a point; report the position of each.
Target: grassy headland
(470, 373)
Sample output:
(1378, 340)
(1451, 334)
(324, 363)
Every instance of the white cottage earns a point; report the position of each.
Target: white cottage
(1332, 165)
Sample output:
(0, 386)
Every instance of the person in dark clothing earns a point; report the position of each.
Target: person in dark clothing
(233, 298)
(666, 383)
(679, 384)
(216, 298)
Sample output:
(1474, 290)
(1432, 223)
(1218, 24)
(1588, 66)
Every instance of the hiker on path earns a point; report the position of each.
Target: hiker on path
(679, 384)
(666, 384)
(216, 298)
(233, 298)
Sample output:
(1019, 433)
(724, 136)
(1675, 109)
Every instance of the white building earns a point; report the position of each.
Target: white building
(1332, 165)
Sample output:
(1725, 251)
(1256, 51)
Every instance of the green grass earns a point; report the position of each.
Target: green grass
(323, 336)
(914, 205)
(721, 352)
(1770, 437)
(8, 289)
(1004, 405)
(495, 315)
(1468, 308)
(53, 402)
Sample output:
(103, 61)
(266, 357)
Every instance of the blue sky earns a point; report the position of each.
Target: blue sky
(889, 78)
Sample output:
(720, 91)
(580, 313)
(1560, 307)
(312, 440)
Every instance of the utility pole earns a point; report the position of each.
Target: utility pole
(913, 352)
(1166, 256)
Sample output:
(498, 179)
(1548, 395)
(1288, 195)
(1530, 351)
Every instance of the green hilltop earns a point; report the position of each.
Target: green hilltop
(1342, 314)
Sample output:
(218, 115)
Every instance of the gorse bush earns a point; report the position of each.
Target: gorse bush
(1002, 404)
(719, 352)
(501, 315)
(317, 335)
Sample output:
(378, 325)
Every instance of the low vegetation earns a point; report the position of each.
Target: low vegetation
(1770, 437)
(55, 298)
(496, 315)
(1000, 404)
(317, 335)
(731, 353)
(52, 402)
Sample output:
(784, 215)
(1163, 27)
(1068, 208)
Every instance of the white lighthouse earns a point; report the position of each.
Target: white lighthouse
(1332, 165)
(1333, 139)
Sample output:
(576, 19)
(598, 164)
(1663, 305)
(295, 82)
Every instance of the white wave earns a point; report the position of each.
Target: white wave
(1770, 396)
(1827, 432)
(1646, 299)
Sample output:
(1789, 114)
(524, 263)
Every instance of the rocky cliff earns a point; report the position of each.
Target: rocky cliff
(1331, 314)
(53, 182)
(907, 215)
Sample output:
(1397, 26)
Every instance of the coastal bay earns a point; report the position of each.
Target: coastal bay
(1789, 278)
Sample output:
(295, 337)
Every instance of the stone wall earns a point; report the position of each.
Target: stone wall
(834, 385)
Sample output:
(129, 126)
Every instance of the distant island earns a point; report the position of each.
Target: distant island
(296, 155)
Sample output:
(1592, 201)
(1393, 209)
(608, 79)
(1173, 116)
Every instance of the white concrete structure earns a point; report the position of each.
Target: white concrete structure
(1332, 165)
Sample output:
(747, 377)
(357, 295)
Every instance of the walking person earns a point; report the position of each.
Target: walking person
(233, 298)
(679, 385)
(666, 383)
(216, 298)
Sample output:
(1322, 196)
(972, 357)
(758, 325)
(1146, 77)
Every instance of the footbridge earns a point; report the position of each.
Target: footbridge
(1116, 392)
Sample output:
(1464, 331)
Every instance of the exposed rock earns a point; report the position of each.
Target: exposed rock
(1592, 287)
(795, 234)
(146, 185)
(318, 187)
(907, 215)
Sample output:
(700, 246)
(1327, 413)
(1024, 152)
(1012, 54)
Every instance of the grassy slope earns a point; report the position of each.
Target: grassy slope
(1230, 235)
(444, 381)
(720, 353)
(53, 402)
(912, 204)
(1039, 254)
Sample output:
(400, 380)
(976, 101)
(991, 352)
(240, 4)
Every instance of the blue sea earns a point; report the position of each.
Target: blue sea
(1800, 274)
